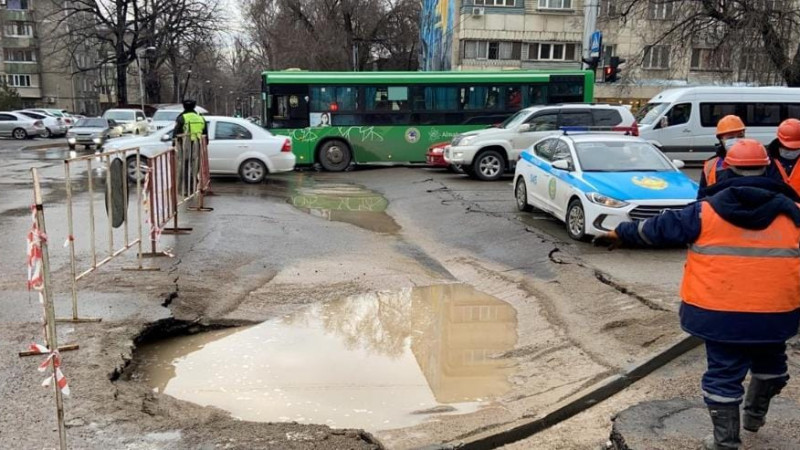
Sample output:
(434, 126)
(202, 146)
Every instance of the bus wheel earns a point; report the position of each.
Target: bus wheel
(335, 156)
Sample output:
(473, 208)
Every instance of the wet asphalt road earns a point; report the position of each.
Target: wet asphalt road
(429, 215)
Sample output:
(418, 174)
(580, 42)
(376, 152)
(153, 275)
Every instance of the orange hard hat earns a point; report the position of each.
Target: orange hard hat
(747, 153)
(789, 134)
(729, 124)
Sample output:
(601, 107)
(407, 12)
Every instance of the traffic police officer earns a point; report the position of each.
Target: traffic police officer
(190, 123)
(740, 289)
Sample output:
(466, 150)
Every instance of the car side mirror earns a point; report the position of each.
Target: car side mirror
(664, 122)
(149, 120)
(562, 164)
(165, 138)
(524, 128)
(678, 163)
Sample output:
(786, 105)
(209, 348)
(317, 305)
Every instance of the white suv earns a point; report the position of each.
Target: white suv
(133, 121)
(487, 154)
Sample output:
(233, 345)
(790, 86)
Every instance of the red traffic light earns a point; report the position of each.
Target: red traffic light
(607, 70)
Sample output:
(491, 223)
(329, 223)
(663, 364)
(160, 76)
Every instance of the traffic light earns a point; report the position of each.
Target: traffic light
(611, 72)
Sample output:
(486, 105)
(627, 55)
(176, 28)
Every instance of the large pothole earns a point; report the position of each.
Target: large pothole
(376, 361)
(346, 203)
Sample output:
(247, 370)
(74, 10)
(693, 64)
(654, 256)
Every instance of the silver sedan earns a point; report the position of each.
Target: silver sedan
(19, 126)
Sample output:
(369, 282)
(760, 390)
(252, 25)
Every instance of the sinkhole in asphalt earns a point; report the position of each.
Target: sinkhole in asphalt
(346, 203)
(376, 361)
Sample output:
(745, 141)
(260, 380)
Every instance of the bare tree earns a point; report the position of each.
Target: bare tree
(333, 34)
(763, 36)
(119, 29)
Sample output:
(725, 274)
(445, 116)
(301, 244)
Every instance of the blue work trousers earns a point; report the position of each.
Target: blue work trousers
(728, 364)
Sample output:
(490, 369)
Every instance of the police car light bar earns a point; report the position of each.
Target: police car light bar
(634, 131)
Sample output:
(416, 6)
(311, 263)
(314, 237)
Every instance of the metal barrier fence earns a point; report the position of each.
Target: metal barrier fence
(162, 201)
(193, 170)
(116, 186)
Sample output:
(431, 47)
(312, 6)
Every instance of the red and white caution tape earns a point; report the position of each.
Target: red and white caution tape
(35, 240)
(55, 357)
(155, 230)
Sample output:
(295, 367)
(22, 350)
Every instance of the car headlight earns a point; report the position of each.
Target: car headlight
(70, 135)
(600, 199)
(466, 140)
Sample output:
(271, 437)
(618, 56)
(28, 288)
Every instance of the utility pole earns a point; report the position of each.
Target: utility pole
(590, 10)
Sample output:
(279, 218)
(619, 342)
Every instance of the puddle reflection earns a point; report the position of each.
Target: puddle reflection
(368, 361)
(346, 203)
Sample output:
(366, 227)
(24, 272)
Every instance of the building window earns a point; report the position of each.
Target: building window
(660, 9)
(15, 29)
(492, 50)
(656, 57)
(20, 55)
(709, 59)
(16, 80)
(17, 4)
(494, 2)
(555, 4)
(542, 51)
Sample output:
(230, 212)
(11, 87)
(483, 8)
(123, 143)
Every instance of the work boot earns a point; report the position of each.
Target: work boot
(756, 402)
(725, 419)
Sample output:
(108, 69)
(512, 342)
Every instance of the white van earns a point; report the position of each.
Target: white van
(682, 122)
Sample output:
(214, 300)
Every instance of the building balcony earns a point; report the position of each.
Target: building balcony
(16, 15)
(22, 67)
(29, 92)
(19, 42)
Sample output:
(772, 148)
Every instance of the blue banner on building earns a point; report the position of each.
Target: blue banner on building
(436, 34)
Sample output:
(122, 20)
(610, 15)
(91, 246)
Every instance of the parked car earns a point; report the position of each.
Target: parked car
(133, 121)
(235, 147)
(68, 120)
(593, 182)
(53, 126)
(19, 126)
(89, 132)
(682, 122)
(435, 157)
(166, 115)
(487, 154)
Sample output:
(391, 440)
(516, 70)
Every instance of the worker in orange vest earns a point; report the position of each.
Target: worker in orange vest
(740, 289)
(729, 130)
(785, 149)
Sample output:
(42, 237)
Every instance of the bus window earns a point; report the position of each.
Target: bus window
(565, 89)
(287, 107)
(440, 98)
(387, 98)
(333, 98)
(474, 97)
(537, 95)
(513, 97)
(710, 113)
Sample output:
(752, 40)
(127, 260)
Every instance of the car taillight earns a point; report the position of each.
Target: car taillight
(635, 129)
(287, 146)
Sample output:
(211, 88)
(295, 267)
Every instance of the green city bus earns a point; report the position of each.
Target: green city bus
(337, 119)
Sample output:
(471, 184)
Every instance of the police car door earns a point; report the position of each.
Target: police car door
(560, 186)
(539, 176)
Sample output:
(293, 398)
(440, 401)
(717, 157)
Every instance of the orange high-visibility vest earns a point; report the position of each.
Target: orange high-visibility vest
(792, 179)
(710, 169)
(734, 269)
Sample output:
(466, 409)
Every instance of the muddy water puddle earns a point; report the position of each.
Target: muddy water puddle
(375, 361)
(346, 203)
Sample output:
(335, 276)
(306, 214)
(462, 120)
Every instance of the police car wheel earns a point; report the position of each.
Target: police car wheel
(576, 221)
(521, 194)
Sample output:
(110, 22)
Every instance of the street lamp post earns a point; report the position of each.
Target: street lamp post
(141, 75)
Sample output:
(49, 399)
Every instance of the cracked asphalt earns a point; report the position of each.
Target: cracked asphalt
(584, 314)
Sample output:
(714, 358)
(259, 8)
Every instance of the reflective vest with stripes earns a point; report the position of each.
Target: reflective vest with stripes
(193, 125)
(732, 269)
(710, 170)
(792, 179)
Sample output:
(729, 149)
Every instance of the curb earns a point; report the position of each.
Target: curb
(519, 430)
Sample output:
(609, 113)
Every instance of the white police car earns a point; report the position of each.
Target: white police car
(595, 181)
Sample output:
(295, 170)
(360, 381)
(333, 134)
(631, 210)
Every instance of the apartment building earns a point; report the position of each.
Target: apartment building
(36, 63)
(547, 34)
(501, 34)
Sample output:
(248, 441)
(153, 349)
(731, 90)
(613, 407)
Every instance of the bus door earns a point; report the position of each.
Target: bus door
(287, 106)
